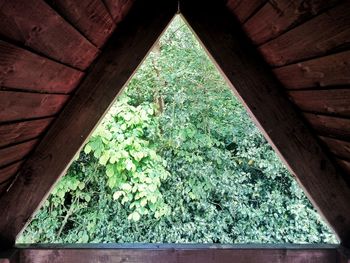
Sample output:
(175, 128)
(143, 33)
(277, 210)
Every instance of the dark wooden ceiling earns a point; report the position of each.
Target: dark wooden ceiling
(47, 48)
(307, 45)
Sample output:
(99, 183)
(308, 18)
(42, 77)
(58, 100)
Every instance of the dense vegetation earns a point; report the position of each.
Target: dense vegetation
(177, 159)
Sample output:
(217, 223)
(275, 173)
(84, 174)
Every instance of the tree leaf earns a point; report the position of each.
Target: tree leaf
(87, 149)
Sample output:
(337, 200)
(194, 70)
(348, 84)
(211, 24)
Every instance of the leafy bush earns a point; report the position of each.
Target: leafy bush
(177, 159)
(123, 146)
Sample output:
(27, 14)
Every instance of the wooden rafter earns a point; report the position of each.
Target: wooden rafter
(149, 253)
(263, 96)
(121, 56)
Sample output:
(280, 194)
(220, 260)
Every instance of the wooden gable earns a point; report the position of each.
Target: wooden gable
(63, 63)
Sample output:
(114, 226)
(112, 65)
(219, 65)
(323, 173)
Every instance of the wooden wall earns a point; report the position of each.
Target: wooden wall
(171, 253)
(307, 45)
(45, 49)
(47, 46)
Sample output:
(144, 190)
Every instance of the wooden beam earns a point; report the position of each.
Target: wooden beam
(343, 254)
(91, 17)
(243, 9)
(327, 125)
(326, 33)
(334, 102)
(15, 106)
(36, 25)
(345, 165)
(339, 147)
(118, 8)
(22, 131)
(332, 70)
(24, 70)
(122, 55)
(281, 16)
(8, 171)
(178, 254)
(16, 152)
(263, 96)
(9, 256)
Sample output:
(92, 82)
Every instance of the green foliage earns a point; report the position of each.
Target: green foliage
(124, 146)
(177, 159)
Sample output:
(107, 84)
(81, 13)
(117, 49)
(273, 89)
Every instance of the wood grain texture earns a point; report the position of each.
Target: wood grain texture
(276, 17)
(21, 69)
(4, 187)
(22, 105)
(16, 152)
(335, 102)
(345, 165)
(22, 131)
(327, 33)
(343, 254)
(324, 71)
(11, 256)
(177, 255)
(330, 126)
(34, 24)
(243, 9)
(89, 16)
(7, 172)
(265, 100)
(123, 53)
(338, 147)
(118, 8)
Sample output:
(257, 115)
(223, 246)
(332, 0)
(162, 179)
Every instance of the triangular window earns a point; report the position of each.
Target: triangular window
(177, 160)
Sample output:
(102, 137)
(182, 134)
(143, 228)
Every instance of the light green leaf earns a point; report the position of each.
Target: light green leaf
(112, 181)
(110, 170)
(87, 149)
(126, 187)
(81, 185)
(153, 199)
(135, 216)
(143, 202)
(129, 165)
(104, 158)
(117, 194)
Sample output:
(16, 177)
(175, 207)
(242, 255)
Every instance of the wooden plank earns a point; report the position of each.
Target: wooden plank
(34, 24)
(345, 165)
(183, 246)
(4, 187)
(277, 17)
(330, 70)
(338, 147)
(343, 254)
(335, 102)
(7, 172)
(21, 69)
(118, 8)
(173, 255)
(123, 53)
(16, 152)
(23, 105)
(243, 9)
(22, 131)
(268, 105)
(10, 256)
(322, 35)
(89, 16)
(330, 126)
